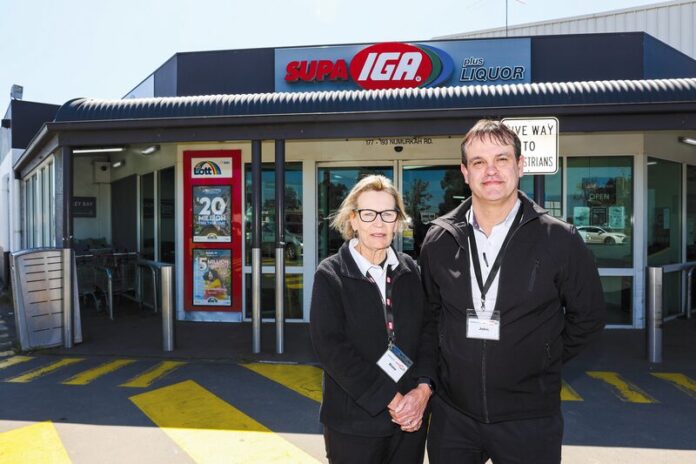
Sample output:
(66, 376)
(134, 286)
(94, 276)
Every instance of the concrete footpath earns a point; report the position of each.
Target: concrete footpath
(118, 397)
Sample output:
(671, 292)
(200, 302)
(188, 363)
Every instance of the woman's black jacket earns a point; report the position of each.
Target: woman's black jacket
(349, 335)
(551, 303)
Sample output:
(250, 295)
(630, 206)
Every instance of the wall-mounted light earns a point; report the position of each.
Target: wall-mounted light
(688, 140)
(98, 150)
(150, 150)
(118, 164)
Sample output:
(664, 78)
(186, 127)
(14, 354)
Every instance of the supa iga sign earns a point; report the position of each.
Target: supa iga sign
(539, 137)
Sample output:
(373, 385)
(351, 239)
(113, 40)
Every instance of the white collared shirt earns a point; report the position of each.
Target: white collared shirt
(377, 272)
(488, 249)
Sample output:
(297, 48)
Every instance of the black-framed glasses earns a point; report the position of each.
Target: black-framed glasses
(369, 215)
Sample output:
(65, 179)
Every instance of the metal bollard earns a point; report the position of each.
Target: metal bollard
(280, 299)
(690, 281)
(654, 314)
(167, 308)
(256, 300)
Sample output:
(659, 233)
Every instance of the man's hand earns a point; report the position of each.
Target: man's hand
(408, 412)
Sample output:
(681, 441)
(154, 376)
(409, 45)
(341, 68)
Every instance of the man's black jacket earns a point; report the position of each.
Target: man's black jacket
(550, 301)
(349, 335)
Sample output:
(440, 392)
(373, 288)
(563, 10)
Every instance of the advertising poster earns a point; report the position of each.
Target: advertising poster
(617, 217)
(212, 277)
(211, 214)
(581, 216)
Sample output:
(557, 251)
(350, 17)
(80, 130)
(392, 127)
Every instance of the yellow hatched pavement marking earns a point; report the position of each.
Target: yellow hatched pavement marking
(41, 371)
(211, 430)
(83, 378)
(568, 393)
(157, 372)
(305, 380)
(14, 360)
(625, 390)
(33, 444)
(681, 381)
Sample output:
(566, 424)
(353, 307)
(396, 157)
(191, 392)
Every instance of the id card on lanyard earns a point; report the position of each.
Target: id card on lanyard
(477, 325)
(393, 362)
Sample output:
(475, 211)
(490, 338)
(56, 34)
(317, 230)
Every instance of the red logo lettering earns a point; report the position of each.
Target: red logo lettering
(390, 65)
(316, 70)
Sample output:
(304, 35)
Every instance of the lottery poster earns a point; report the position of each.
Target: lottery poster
(211, 214)
(212, 277)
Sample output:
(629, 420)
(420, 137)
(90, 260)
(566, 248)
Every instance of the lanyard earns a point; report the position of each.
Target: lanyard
(387, 303)
(498, 260)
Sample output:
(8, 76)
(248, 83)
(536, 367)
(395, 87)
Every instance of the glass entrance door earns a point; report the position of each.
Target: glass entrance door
(333, 185)
(429, 192)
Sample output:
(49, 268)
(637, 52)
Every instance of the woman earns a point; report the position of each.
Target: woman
(368, 323)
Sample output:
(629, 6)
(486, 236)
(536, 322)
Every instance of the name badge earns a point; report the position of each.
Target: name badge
(394, 362)
(482, 328)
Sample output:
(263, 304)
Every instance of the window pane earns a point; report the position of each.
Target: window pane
(293, 296)
(334, 184)
(600, 204)
(46, 210)
(52, 203)
(691, 213)
(36, 180)
(29, 213)
(619, 299)
(553, 190)
(293, 214)
(147, 216)
(664, 211)
(167, 217)
(429, 192)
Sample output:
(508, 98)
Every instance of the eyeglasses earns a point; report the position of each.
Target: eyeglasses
(369, 215)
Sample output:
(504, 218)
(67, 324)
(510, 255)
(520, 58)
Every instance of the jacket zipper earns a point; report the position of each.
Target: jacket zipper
(483, 382)
(483, 353)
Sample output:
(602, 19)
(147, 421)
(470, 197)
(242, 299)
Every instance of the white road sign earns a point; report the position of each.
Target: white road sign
(539, 137)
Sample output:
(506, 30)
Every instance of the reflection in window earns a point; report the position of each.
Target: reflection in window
(664, 210)
(618, 299)
(691, 213)
(293, 296)
(600, 205)
(39, 209)
(147, 216)
(293, 214)
(429, 192)
(334, 184)
(167, 223)
(553, 190)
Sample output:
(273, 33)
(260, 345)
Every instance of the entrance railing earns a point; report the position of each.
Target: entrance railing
(654, 311)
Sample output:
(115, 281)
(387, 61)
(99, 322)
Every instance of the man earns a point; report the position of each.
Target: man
(516, 294)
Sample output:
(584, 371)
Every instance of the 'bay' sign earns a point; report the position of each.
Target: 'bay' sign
(539, 137)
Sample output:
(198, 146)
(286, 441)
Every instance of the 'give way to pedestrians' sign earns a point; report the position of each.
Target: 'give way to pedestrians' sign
(539, 137)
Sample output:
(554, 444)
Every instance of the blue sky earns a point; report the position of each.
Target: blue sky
(62, 49)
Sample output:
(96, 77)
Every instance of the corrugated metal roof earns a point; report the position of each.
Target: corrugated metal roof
(482, 96)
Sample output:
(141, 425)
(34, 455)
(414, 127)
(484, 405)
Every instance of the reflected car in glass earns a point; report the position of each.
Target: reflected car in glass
(594, 234)
(293, 242)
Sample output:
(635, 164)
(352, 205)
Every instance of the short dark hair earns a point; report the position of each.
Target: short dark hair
(492, 130)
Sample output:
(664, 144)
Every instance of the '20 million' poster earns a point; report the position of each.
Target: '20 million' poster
(211, 214)
(212, 281)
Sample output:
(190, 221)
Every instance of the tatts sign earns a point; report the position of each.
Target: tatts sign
(395, 65)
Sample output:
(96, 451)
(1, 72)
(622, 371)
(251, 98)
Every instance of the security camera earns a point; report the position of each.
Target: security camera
(398, 148)
(103, 167)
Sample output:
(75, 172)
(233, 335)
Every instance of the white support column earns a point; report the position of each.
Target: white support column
(309, 232)
(640, 237)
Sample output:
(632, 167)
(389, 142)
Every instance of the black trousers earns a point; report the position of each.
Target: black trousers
(457, 438)
(400, 448)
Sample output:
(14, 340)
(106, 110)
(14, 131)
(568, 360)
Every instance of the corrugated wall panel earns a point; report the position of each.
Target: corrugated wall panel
(673, 23)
